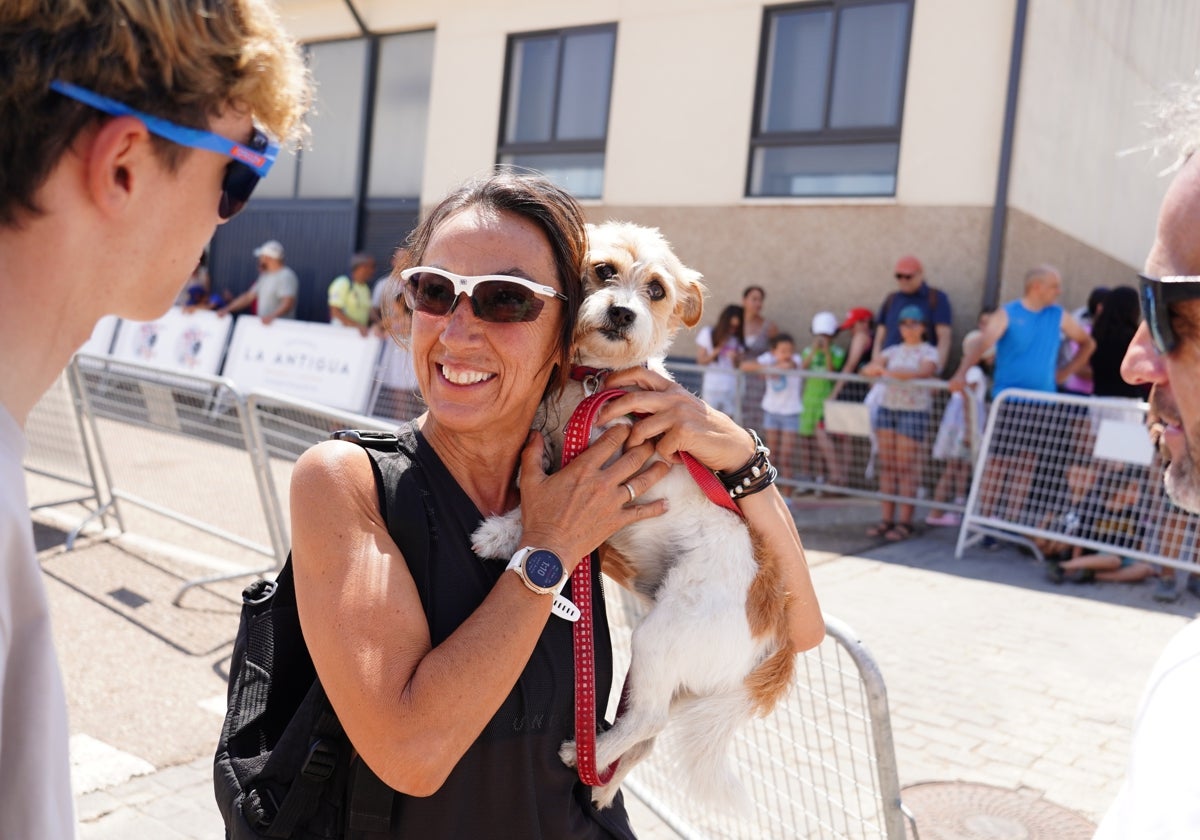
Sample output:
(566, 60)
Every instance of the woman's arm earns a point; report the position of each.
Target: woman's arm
(677, 421)
(412, 709)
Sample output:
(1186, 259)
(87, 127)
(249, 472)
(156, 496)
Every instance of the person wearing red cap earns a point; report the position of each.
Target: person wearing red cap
(912, 290)
(861, 322)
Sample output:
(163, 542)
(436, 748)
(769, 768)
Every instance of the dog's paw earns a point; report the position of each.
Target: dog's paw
(603, 795)
(497, 536)
(568, 754)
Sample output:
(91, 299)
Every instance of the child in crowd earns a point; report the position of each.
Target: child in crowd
(781, 402)
(952, 443)
(720, 349)
(821, 355)
(1104, 505)
(902, 421)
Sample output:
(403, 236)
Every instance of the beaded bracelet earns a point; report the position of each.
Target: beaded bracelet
(757, 474)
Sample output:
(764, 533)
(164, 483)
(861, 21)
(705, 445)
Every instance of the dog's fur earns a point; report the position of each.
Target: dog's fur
(713, 648)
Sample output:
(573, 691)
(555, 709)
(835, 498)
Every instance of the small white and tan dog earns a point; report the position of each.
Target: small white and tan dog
(712, 649)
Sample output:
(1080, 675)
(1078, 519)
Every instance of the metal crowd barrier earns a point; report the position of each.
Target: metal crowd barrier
(158, 435)
(821, 765)
(1079, 471)
(284, 427)
(161, 435)
(59, 449)
(842, 456)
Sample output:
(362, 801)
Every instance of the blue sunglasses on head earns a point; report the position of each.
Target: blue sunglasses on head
(251, 161)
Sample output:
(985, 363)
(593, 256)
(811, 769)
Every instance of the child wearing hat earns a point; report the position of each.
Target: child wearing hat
(902, 422)
(821, 355)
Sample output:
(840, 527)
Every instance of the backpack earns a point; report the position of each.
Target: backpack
(283, 763)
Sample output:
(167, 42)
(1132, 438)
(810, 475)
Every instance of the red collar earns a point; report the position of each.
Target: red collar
(581, 373)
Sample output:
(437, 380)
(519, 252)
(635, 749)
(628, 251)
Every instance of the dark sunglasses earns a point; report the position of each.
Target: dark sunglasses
(251, 160)
(496, 298)
(1157, 295)
(900, 276)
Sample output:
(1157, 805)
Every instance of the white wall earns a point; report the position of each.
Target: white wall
(954, 105)
(683, 91)
(1092, 70)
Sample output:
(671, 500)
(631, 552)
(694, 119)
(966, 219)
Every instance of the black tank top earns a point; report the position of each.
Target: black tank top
(511, 782)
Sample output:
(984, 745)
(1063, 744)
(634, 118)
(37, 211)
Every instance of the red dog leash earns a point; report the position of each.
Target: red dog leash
(576, 437)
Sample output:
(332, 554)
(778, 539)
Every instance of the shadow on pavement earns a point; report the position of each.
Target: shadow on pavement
(932, 549)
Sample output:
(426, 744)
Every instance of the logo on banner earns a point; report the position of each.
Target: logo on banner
(147, 338)
(190, 347)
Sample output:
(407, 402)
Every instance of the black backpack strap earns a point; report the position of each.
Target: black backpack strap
(300, 804)
(370, 802)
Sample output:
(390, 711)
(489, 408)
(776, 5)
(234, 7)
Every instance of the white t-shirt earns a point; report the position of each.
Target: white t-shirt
(273, 287)
(35, 774)
(720, 375)
(1160, 799)
(781, 392)
(907, 358)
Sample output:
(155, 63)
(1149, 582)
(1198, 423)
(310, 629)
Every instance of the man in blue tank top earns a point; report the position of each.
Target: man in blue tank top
(1026, 334)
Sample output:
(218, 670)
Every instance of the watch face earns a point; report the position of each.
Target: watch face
(543, 568)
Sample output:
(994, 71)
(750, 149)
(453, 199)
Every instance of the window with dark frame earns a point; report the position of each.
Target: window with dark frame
(829, 100)
(554, 115)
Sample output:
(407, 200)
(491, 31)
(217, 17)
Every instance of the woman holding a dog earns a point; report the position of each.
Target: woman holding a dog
(452, 675)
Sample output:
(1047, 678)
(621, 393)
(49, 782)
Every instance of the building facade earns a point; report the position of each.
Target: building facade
(799, 146)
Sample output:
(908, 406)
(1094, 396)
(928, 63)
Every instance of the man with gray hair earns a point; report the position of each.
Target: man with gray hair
(1160, 798)
(1025, 333)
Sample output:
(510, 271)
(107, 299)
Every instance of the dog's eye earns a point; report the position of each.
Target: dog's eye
(655, 290)
(605, 271)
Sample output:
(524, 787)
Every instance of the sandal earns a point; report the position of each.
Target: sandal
(901, 531)
(880, 528)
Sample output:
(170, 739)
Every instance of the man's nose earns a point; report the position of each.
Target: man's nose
(1142, 363)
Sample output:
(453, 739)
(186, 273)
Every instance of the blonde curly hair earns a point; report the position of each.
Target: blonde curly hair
(184, 60)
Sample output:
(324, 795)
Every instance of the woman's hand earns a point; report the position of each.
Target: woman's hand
(575, 509)
(674, 420)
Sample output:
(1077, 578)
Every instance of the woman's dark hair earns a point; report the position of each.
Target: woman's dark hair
(750, 289)
(725, 326)
(1119, 317)
(530, 196)
(1096, 299)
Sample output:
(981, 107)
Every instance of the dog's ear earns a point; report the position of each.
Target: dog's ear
(689, 305)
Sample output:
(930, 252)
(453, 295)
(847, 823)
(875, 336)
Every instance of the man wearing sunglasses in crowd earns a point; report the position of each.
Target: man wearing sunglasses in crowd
(128, 131)
(912, 290)
(1161, 795)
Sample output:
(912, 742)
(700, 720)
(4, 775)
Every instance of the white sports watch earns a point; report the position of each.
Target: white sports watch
(542, 572)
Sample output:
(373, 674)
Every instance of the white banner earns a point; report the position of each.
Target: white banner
(189, 342)
(327, 364)
(101, 340)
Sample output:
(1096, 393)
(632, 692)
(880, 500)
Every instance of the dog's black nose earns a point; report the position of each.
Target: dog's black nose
(621, 316)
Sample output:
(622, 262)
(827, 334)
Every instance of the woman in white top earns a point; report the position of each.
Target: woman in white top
(720, 349)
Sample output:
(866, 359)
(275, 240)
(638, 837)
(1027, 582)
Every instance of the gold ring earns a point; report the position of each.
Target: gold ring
(632, 495)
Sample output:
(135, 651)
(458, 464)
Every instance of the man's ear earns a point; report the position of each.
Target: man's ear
(116, 161)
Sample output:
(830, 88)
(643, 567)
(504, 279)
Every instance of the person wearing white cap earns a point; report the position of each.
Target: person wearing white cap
(821, 355)
(275, 289)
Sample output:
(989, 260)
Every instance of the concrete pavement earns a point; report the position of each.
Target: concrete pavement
(994, 675)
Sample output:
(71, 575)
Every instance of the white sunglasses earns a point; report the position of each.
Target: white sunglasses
(497, 298)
